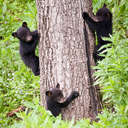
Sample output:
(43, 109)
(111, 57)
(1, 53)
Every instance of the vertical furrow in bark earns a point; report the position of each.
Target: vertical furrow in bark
(90, 44)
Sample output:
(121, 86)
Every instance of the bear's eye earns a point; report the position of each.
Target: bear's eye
(59, 93)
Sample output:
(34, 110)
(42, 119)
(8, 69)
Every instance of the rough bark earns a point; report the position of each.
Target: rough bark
(63, 53)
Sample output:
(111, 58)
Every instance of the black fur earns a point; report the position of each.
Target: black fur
(28, 43)
(102, 27)
(52, 98)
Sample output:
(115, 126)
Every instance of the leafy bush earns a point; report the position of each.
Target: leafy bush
(112, 72)
(40, 118)
(17, 82)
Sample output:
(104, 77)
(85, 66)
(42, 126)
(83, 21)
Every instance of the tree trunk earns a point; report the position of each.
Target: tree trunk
(65, 54)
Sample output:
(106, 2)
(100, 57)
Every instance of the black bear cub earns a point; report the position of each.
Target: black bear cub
(28, 42)
(53, 96)
(102, 27)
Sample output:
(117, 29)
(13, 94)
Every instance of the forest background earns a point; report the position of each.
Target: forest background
(18, 85)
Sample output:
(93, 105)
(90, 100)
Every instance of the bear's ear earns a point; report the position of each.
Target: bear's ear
(14, 34)
(105, 5)
(24, 24)
(58, 85)
(48, 93)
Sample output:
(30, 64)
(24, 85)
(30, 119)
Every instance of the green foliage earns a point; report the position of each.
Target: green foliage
(17, 82)
(112, 72)
(113, 76)
(40, 118)
(18, 85)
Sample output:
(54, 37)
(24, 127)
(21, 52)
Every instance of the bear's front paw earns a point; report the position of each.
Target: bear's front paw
(85, 15)
(75, 94)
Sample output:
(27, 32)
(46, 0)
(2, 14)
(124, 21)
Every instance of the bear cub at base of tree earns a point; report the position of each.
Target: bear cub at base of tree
(102, 27)
(53, 97)
(28, 42)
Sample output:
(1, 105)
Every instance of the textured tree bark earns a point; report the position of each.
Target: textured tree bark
(66, 54)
